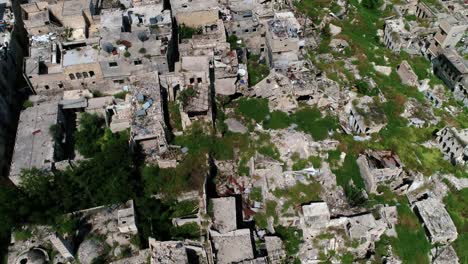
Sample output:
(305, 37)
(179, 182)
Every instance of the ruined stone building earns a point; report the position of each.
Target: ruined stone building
(75, 46)
(11, 54)
(224, 212)
(245, 24)
(423, 11)
(126, 218)
(34, 146)
(195, 85)
(454, 144)
(363, 116)
(451, 30)
(379, 167)
(316, 215)
(230, 245)
(437, 221)
(284, 42)
(195, 14)
(407, 75)
(396, 37)
(147, 127)
(453, 70)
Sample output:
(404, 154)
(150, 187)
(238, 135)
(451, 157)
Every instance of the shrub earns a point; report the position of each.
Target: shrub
(186, 95)
(121, 95)
(256, 69)
(186, 32)
(142, 51)
(89, 133)
(27, 104)
(127, 54)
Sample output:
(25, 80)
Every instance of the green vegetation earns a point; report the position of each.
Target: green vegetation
(300, 164)
(97, 93)
(89, 135)
(175, 119)
(308, 120)
(142, 50)
(233, 42)
(27, 104)
(457, 205)
(184, 208)
(22, 234)
(299, 194)
(127, 54)
(291, 237)
(190, 231)
(173, 181)
(349, 177)
(261, 219)
(121, 95)
(371, 4)
(411, 245)
(256, 69)
(186, 32)
(277, 120)
(256, 194)
(315, 10)
(186, 95)
(253, 108)
(363, 88)
(311, 121)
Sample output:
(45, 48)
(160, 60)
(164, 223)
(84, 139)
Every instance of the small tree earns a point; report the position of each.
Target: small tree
(371, 4)
(186, 95)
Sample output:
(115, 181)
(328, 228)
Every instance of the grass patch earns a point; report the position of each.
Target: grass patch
(186, 32)
(411, 245)
(121, 95)
(261, 219)
(299, 194)
(292, 239)
(311, 121)
(256, 194)
(277, 120)
(256, 69)
(253, 108)
(190, 231)
(184, 208)
(300, 164)
(456, 203)
(174, 115)
(22, 235)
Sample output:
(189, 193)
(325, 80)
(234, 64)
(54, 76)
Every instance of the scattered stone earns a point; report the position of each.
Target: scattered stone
(235, 126)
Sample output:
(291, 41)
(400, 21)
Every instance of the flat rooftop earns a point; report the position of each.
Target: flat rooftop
(84, 55)
(456, 60)
(437, 220)
(233, 247)
(34, 146)
(224, 211)
(179, 6)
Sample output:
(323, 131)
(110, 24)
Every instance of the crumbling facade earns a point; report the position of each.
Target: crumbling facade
(378, 167)
(284, 42)
(453, 70)
(451, 30)
(454, 144)
(407, 75)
